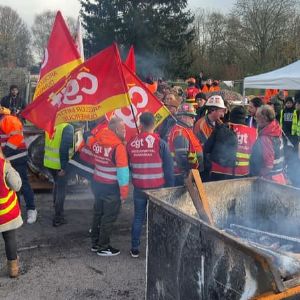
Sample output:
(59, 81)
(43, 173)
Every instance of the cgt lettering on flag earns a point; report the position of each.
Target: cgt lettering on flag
(142, 100)
(73, 93)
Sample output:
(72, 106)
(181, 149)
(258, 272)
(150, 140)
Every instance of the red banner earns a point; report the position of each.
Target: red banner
(61, 56)
(142, 100)
(130, 60)
(90, 91)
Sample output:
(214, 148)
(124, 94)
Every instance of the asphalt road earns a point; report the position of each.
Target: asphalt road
(56, 263)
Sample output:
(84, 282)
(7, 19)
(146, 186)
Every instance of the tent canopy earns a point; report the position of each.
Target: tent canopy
(286, 78)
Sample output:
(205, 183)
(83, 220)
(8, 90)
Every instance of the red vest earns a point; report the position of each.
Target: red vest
(9, 206)
(246, 137)
(105, 167)
(145, 161)
(192, 92)
(86, 154)
(194, 150)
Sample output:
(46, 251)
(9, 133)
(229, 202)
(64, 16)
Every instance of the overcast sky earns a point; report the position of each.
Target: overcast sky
(27, 9)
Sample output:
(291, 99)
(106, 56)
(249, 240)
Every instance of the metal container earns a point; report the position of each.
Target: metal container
(189, 259)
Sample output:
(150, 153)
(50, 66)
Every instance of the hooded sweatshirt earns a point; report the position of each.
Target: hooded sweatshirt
(267, 155)
(107, 138)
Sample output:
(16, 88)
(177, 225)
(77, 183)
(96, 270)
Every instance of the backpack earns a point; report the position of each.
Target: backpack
(224, 146)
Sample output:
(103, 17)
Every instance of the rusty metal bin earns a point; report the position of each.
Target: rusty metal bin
(188, 259)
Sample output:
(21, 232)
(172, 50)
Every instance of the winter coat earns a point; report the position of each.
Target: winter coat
(267, 155)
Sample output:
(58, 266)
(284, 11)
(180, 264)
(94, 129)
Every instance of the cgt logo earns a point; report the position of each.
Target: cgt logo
(97, 149)
(75, 90)
(242, 138)
(125, 113)
(150, 141)
(137, 143)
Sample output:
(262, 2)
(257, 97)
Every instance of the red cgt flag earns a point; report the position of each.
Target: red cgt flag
(89, 92)
(61, 56)
(130, 60)
(142, 100)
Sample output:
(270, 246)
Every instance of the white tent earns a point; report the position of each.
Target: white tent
(286, 78)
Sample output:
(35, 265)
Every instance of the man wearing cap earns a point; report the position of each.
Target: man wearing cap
(171, 102)
(230, 147)
(151, 165)
(215, 112)
(184, 146)
(204, 127)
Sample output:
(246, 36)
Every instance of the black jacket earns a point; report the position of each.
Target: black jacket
(15, 104)
(222, 146)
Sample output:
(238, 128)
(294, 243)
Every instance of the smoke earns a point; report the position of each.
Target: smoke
(148, 64)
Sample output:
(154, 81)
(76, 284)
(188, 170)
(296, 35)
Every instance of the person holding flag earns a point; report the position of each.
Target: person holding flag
(151, 165)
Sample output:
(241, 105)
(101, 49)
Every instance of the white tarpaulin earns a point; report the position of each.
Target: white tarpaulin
(286, 78)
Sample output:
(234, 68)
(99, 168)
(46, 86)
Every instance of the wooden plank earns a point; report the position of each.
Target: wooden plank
(197, 192)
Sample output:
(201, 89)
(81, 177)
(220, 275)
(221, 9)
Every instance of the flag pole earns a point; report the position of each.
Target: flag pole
(134, 117)
(125, 85)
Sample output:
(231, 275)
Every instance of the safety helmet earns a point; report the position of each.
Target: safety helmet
(216, 101)
(4, 110)
(186, 109)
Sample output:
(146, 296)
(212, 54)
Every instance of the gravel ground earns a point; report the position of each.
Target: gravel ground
(56, 263)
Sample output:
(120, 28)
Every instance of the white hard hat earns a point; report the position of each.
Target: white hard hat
(216, 101)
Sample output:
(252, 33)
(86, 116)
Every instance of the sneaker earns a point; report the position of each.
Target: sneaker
(31, 216)
(95, 248)
(108, 251)
(58, 221)
(134, 253)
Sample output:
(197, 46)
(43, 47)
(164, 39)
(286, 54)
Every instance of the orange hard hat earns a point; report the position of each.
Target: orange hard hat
(4, 111)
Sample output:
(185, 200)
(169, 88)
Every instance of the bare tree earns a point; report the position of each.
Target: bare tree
(263, 24)
(41, 29)
(14, 39)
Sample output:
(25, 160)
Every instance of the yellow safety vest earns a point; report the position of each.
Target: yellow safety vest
(52, 146)
(295, 124)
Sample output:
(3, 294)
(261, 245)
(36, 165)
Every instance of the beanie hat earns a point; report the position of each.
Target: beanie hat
(238, 115)
(201, 96)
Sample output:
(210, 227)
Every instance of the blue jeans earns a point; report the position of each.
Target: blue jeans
(140, 204)
(26, 189)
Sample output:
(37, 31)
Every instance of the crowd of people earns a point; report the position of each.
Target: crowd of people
(201, 132)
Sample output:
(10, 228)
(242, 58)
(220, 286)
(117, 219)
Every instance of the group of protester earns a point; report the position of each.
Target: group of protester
(204, 134)
(13, 176)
